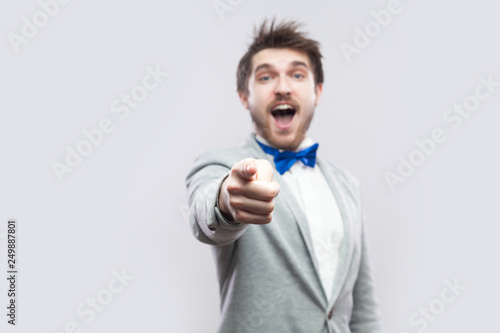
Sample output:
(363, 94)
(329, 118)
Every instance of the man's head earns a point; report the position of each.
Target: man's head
(280, 81)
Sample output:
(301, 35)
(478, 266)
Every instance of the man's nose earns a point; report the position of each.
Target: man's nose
(283, 87)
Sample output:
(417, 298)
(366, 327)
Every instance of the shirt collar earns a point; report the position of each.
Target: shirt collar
(307, 142)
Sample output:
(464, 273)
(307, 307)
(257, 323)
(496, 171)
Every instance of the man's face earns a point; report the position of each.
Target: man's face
(282, 96)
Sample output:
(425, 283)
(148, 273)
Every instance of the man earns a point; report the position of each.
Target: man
(291, 252)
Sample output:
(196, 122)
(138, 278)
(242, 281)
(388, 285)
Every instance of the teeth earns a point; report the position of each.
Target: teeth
(283, 107)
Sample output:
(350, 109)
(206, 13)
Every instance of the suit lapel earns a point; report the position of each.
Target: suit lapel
(301, 220)
(293, 206)
(346, 213)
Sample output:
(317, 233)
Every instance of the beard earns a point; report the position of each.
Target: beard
(281, 139)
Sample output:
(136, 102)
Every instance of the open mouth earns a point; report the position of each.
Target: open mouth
(283, 115)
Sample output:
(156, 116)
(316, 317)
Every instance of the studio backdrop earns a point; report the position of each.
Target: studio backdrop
(106, 104)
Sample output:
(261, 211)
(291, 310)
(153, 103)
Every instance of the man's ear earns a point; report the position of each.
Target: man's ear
(244, 99)
(319, 91)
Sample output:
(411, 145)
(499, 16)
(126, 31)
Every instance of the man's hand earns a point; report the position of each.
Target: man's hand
(247, 194)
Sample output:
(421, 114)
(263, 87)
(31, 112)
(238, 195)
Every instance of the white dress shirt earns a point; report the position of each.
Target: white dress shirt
(312, 191)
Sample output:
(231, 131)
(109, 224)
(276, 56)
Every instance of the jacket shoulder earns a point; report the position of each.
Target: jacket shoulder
(223, 158)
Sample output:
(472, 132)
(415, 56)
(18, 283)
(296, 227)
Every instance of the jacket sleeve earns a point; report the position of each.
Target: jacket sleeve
(365, 315)
(203, 185)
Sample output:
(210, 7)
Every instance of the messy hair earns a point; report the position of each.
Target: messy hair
(282, 35)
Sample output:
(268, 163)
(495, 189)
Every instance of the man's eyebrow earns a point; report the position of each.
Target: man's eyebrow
(263, 66)
(293, 64)
(299, 63)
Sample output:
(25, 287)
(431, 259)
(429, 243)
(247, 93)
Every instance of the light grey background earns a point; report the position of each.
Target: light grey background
(124, 206)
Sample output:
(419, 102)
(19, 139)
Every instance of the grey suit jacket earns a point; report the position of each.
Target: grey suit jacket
(268, 274)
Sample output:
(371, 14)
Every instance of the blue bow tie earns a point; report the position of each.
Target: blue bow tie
(287, 158)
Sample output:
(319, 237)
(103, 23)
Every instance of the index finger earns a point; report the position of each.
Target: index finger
(245, 169)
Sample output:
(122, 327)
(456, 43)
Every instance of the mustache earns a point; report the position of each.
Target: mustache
(288, 100)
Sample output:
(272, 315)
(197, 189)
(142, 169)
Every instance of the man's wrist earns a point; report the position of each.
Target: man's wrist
(222, 219)
(225, 217)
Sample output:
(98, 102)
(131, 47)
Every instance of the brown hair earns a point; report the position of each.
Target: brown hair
(283, 35)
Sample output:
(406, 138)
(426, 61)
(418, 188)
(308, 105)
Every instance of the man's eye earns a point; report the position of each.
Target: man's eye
(298, 76)
(265, 78)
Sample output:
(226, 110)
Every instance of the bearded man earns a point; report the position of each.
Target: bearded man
(286, 227)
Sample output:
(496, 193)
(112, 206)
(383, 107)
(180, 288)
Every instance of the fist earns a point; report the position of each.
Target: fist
(247, 194)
